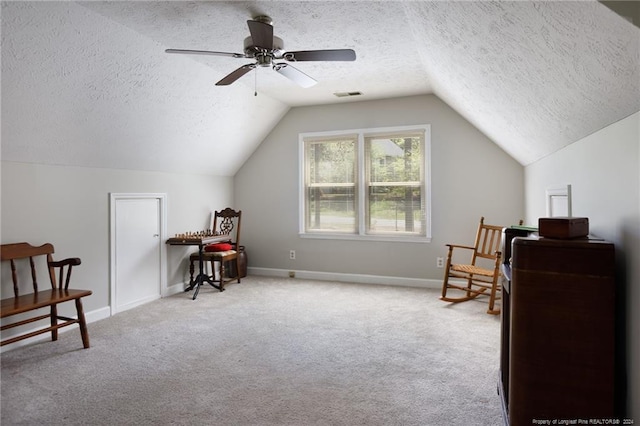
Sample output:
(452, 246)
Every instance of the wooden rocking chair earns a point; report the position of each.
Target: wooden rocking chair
(481, 274)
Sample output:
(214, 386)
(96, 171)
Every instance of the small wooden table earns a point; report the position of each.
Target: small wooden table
(200, 242)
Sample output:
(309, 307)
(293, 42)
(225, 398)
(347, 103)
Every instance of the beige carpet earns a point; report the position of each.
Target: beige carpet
(267, 352)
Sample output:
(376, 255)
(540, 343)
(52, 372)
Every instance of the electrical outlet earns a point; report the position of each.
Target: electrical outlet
(292, 254)
(292, 274)
(439, 262)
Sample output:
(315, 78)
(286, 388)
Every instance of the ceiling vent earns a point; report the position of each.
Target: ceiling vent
(345, 94)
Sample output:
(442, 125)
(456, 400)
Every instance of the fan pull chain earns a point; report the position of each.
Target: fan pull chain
(255, 91)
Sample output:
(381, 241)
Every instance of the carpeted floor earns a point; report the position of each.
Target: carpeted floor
(267, 352)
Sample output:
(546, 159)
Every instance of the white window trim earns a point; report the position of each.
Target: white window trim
(362, 236)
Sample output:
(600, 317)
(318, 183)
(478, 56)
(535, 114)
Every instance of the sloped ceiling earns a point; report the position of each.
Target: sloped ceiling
(89, 84)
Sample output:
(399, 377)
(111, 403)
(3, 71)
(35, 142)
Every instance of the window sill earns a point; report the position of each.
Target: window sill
(354, 237)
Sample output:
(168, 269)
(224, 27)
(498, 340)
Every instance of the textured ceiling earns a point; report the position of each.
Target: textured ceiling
(89, 84)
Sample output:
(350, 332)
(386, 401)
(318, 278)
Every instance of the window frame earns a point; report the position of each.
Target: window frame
(362, 186)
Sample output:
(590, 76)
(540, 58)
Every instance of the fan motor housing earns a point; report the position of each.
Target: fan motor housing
(252, 51)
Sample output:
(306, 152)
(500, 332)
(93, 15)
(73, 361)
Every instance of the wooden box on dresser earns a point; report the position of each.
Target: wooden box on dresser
(558, 355)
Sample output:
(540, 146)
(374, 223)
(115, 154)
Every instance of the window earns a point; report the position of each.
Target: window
(369, 184)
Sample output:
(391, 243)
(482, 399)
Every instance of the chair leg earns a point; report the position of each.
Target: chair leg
(54, 320)
(84, 332)
(469, 284)
(471, 293)
(445, 284)
(237, 270)
(447, 268)
(222, 273)
(492, 299)
(495, 289)
(212, 263)
(191, 271)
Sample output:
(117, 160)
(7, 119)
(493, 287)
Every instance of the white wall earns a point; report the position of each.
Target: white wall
(69, 207)
(76, 91)
(604, 172)
(471, 177)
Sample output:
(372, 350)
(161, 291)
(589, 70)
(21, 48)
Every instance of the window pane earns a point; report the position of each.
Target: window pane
(394, 159)
(331, 208)
(332, 161)
(395, 209)
(331, 192)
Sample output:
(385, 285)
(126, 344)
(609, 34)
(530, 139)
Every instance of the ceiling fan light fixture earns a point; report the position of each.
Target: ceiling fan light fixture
(264, 59)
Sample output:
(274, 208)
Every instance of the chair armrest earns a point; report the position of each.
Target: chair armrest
(72, 261)
(452, 246)
(69, 264)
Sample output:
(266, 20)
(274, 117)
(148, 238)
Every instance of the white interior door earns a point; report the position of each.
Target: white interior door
(136, 251)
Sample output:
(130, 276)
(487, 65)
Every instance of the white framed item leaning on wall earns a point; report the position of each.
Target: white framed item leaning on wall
(558, 201)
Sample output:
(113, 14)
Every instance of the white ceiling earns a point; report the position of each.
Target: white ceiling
(89, 84)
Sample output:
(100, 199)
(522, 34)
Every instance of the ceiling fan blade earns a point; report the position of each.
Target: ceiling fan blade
(236, 75)
(294, 75)
(205, 52)
(321, 55)
(261, 34)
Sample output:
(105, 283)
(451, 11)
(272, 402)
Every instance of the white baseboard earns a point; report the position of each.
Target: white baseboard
(135, 304)
(349, 278)
(98, 314)
(174, 289)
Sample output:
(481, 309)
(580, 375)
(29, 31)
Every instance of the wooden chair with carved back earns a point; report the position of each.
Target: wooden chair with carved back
(469, 280)
(23, 255)
(225, 222)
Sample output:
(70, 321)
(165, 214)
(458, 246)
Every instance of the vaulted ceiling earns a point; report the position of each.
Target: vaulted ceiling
(89, 83)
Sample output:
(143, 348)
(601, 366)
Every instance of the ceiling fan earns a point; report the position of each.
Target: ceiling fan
(266, 49)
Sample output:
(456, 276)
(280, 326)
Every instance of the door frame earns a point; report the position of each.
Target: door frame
(114, 197)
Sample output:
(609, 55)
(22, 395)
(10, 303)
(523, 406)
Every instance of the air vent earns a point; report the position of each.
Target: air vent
(345, 94)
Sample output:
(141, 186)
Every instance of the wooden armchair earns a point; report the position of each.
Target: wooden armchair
(480, 274)
(225, 222)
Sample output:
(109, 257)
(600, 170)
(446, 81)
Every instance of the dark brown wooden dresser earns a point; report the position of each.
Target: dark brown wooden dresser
(558, 336)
